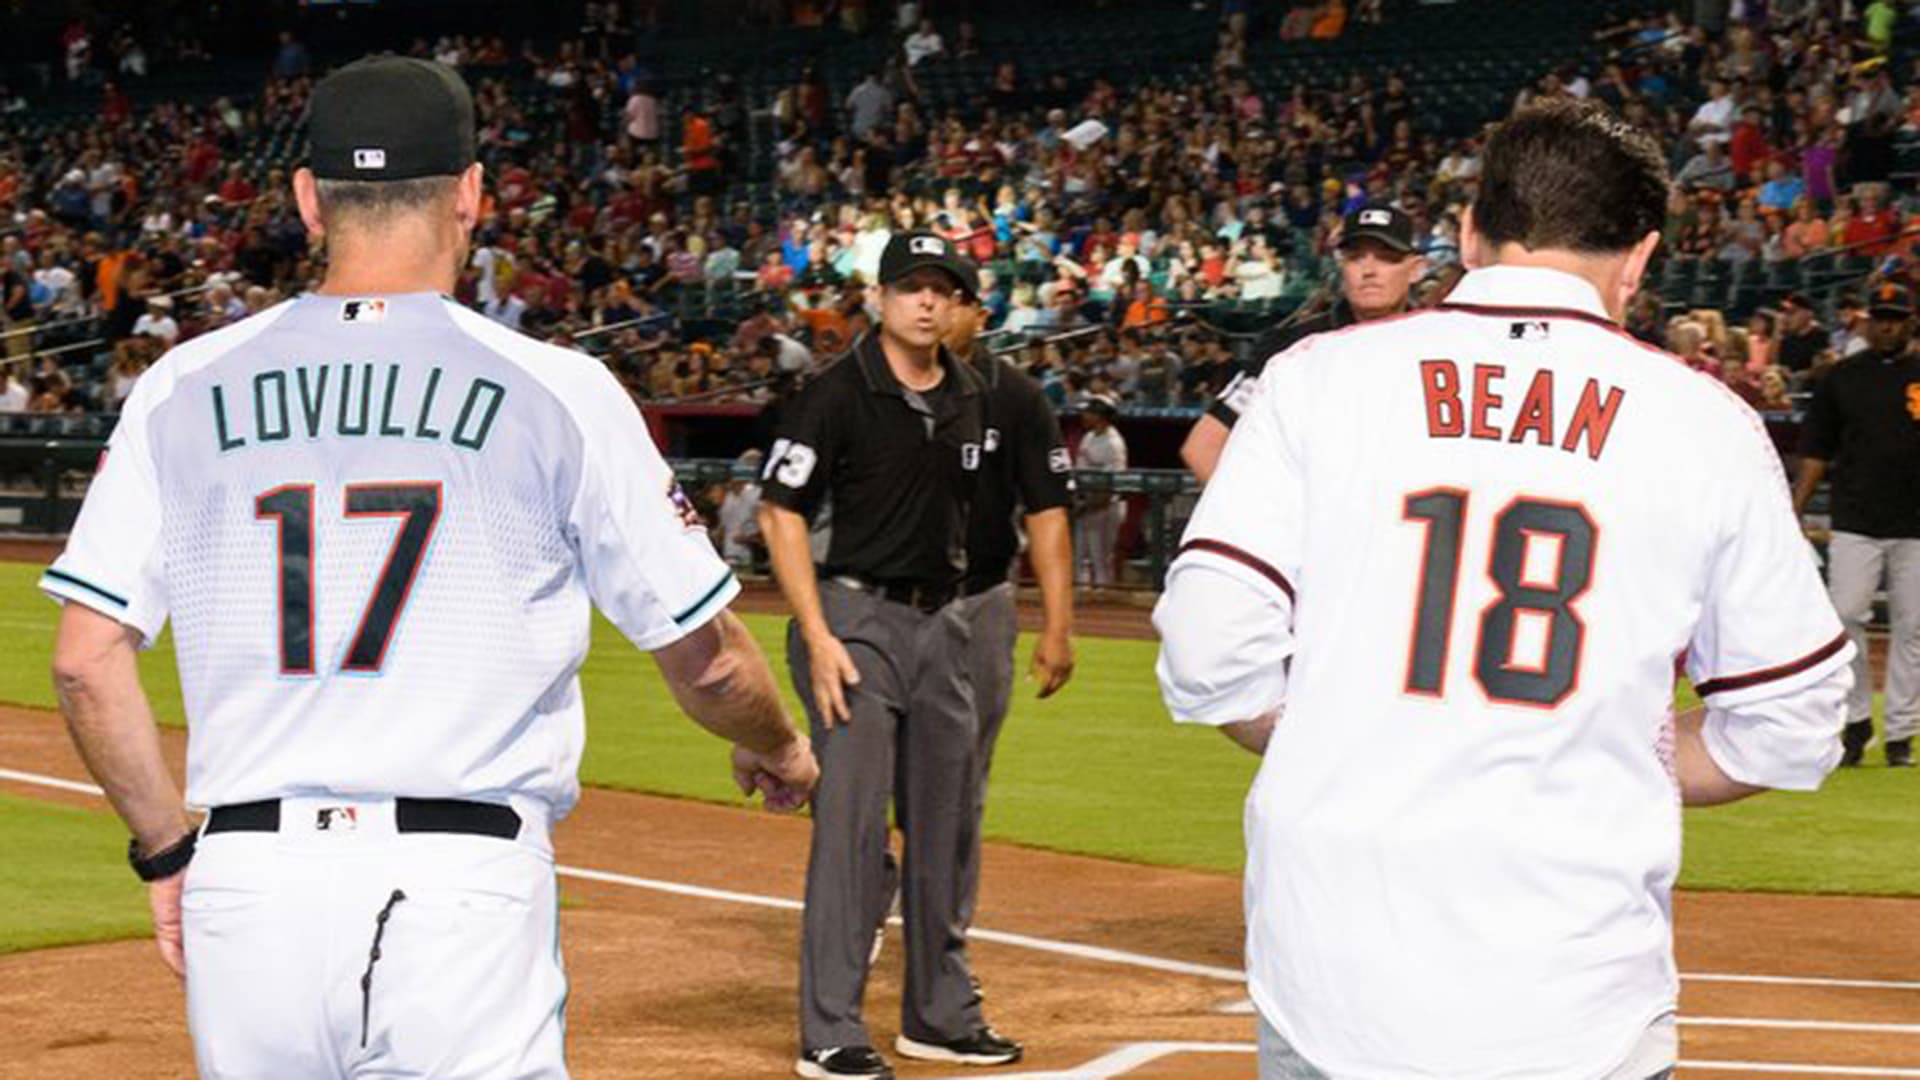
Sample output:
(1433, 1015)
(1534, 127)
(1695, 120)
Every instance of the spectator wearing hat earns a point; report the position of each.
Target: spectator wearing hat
(1863, 429)
(1378, 266)
(1801, 336)
(157, 322)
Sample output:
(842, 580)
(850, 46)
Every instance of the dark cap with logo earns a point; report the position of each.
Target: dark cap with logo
(1376, 222)
(909, 251)
(390, 118)
(1890, 301)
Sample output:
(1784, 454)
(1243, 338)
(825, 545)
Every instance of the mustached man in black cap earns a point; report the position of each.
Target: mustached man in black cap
(377, 521)
(890, 436)
(1378, 266)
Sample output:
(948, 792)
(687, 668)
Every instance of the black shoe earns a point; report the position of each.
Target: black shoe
(1853, 742)
(1899, 753)
(839, 1061)
(983, 1047)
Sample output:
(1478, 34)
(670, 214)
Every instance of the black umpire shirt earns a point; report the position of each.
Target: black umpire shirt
(899, 467)
(1026, 468)
(1228, 403)
(1865, 422)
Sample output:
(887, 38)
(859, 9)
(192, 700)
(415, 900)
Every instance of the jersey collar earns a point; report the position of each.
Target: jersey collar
(1528, 290)
(961, 378)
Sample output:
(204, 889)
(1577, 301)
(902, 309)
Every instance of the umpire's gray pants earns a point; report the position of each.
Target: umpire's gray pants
(911, 738)
(996, 628)
(1855, 564)
(1280, 1061)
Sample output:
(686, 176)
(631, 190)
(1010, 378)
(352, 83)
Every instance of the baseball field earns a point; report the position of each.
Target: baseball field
(1109, 928)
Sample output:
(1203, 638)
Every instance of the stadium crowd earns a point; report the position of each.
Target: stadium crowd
(625, 217)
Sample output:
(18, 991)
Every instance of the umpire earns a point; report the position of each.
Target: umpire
(1378, 265)
(891, 437)
(1026, 470)
(1864, 421)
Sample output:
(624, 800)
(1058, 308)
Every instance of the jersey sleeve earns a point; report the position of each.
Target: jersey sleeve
(795, 474)
(1226, 615)
(1767, 635)
(114, 561)
(648, 562)
(1043, 467)
(1230, 403)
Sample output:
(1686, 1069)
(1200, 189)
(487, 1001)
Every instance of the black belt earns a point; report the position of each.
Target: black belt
(409, 816)
(928, 598)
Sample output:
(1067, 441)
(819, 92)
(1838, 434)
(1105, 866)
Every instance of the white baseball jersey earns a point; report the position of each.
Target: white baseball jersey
(1465, 549)
(376, 525)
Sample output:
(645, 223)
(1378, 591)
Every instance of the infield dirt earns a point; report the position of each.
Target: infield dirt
(698, 989)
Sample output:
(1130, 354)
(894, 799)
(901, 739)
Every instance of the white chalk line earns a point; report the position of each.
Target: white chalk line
(1000, 937)
(1132, 1056)
(1135, 1055)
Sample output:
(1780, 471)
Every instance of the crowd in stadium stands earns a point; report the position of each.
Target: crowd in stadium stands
(1133, 212)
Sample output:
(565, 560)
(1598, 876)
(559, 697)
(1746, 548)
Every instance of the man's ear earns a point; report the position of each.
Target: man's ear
(306, 196)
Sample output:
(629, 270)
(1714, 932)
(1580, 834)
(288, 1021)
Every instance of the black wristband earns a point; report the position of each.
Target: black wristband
(164, 863)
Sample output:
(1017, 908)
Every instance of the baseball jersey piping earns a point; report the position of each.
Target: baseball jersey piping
(718, 588)
(1779, 671)
(1244, 558)
(81, 583)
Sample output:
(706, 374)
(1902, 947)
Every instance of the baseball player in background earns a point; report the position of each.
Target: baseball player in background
(1025, 470)
(1378, 266)
(1096, 528)
(1440, 583)
(1865, 421)
(376, 522)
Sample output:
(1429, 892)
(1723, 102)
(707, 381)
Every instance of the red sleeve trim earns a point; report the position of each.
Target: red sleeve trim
(1755, 678)
(1228, 551)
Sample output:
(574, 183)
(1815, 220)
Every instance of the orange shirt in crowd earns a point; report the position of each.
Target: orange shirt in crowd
(107, 278)
(1330, 23)
(696, 146)
(1801, 237)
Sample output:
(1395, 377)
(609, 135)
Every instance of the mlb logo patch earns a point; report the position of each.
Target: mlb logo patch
(1527, 331)
(370, 158)
(1375, 217)
(363, 311)
(927, 245)
(336, 819)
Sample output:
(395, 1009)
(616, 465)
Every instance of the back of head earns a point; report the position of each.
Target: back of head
(1568, 175)
(389, 135)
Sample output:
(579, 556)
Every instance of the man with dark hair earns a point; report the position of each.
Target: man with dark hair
(891, 436)
(1493, 481)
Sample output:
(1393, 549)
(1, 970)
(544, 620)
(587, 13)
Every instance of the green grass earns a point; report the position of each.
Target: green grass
(1101, 770)
(66, 882)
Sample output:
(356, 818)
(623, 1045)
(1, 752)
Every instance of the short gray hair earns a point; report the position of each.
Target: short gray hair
(381, 198)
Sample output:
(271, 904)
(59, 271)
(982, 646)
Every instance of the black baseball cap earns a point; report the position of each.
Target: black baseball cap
(1376, 221)
(390, 118)
(1890, 301)
(909, 251)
